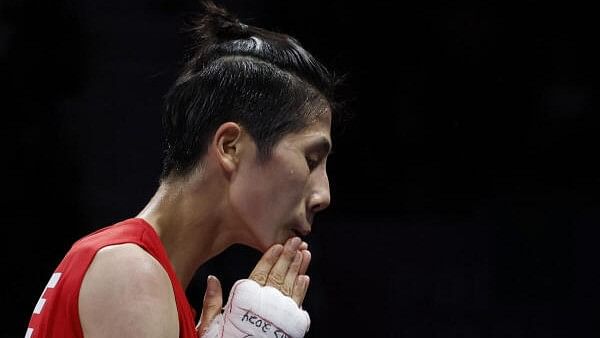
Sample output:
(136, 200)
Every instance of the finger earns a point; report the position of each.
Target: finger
(292, 273)
(300, 288)
(212, 304)
(303, 246)
(277, 274)
(306, 256)
(264, 266)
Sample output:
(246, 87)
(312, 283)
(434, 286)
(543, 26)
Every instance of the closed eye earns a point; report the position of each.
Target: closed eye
(317, 152)
(312, 162)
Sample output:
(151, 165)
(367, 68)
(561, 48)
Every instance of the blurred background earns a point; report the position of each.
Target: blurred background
(464, 187)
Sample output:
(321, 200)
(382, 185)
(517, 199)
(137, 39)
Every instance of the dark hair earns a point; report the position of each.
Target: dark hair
(263, 80)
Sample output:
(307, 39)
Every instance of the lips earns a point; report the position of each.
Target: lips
(302, 230)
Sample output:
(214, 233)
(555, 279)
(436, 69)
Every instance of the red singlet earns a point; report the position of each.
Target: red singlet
(56, 314)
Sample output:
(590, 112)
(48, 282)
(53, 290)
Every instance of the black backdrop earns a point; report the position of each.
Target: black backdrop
(464, 188)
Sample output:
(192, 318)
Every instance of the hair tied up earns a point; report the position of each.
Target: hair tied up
(216, 24)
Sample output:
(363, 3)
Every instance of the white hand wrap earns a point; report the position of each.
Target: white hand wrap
(259, 311)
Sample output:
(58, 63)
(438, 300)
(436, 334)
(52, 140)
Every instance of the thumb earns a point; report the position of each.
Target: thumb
(212, 304)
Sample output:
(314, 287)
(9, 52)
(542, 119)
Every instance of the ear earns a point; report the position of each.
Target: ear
(227, 145)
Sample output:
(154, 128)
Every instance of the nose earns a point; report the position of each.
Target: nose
(320, 197)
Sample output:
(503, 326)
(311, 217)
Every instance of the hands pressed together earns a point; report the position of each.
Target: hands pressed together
(282, 267)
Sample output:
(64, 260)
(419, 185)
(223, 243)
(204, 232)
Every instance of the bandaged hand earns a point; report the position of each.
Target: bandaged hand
(268, 303)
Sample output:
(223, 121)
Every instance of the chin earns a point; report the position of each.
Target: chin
(287, 235)
(264, 242)
(259, 246)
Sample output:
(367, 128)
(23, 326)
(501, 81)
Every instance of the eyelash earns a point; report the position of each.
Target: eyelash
(312, 163)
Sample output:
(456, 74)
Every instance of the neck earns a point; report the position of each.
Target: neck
(188, 219)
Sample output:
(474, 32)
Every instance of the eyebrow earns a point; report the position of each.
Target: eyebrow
(322, 145)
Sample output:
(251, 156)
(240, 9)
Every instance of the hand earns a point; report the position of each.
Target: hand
(281, 267)
(284, 268)
(212, 304)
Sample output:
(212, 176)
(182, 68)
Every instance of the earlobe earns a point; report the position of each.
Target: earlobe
(227, 145)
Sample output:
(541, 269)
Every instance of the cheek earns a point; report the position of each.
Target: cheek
(250, 197)
(281, 194)
(289, 186)
(268, 199)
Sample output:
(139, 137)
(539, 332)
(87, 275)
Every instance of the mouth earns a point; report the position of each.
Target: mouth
(301, 230)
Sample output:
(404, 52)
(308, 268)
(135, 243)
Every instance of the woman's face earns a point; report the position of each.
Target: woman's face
(278, 198)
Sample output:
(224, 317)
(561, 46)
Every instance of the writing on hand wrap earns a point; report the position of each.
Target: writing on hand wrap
(260, 323)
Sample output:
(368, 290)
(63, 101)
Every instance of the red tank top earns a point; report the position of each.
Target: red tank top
(56, 314)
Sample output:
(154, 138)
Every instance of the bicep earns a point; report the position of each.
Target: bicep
(127, 293)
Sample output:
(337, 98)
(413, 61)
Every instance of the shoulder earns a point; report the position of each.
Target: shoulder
(126, 292)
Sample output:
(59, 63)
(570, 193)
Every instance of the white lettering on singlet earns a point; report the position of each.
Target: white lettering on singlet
(51, 284)
(40, 304)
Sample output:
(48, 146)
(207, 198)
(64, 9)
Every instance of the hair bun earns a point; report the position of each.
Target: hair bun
(217, 24)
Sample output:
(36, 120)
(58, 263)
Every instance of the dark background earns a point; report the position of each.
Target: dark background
(464, 188)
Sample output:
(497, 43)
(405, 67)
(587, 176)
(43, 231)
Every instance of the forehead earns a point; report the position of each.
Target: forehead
(317, 129)
(319, 119)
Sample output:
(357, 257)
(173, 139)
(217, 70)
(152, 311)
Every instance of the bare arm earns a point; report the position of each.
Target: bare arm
(127, 293)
